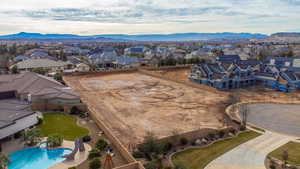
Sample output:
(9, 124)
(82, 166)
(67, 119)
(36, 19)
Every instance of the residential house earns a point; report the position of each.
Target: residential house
(137, 50)
(15, 116)
(126, 62)
(229, 72)
(51, 65)
(28, 86)
(81, 67)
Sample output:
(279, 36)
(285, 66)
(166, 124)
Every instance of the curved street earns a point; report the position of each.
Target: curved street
(279, 118)
(250, 155)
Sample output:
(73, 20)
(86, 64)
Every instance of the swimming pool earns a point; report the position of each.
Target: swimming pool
(37, 158)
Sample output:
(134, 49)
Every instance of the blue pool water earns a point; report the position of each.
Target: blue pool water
(37, 158)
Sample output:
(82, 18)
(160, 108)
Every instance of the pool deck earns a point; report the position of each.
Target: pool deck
(80, 157)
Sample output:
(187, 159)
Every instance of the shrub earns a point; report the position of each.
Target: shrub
(242, 128)
(180, 166)
(211, 136)
(167, 147)
(95, 163)
(221, 134)
(183, 141)
(72, 168)
(74, 110)
(40, 121)
(272, 164)
(86, 139)
(101, 145)
(138, 154)
(94, 153)
(151, 165)
(232, 131)
(58, 77)
(54, 140)
(193, 143)
(18, 135)
(168, 167)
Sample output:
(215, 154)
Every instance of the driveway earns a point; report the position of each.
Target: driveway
(279, 118)
(250, 155)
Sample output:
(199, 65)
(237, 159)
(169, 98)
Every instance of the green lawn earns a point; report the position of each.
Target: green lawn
(198, 158)
(63, 124)
(293, 150)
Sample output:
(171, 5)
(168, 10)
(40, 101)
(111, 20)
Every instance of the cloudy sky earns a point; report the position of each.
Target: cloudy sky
(88, 17)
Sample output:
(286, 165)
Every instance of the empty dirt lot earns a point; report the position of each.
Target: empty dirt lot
(132, 104)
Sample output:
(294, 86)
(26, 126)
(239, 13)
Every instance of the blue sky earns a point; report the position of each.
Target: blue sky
(88, 17)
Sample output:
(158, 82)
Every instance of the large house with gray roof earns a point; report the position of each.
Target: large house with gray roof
(51, 65)
(230, 72)
(44, 93)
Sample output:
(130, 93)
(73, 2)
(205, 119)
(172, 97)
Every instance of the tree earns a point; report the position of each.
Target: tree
(95, 163)
(94, 153)
(183, 141)
(58, 77)
(74, 110)
(101, 145)
(54, 140)
(32, 136)
(290, 54)
(4, 161)
(151, 148)
(14, 69)
(40, 70)
(217, 52)
(234, 98)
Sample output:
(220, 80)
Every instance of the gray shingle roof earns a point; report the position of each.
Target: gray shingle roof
(12, 110)
(37, 63)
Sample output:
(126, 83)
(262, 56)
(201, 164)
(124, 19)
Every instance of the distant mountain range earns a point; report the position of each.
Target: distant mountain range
(286, 34)
(145, 37)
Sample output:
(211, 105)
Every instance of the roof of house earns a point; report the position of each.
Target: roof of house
(62, 93)
(123, 60)
(228, 58)
(38, 63)
(21, 57)
(12, 110)
(27, 82)
(278, 60)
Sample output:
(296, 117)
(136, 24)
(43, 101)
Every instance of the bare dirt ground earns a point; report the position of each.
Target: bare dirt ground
(133, 104)
(180, 74)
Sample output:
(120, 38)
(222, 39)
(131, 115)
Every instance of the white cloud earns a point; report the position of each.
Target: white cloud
(148, 16)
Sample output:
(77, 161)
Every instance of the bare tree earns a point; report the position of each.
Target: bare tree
(285, 157)
(234, 98)
(244, 111)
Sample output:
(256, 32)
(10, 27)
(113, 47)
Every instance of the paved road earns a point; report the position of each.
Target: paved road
(280, 118)
(250, 155)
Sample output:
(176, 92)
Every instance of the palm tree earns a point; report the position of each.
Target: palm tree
(32, 136)
(4, 161)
